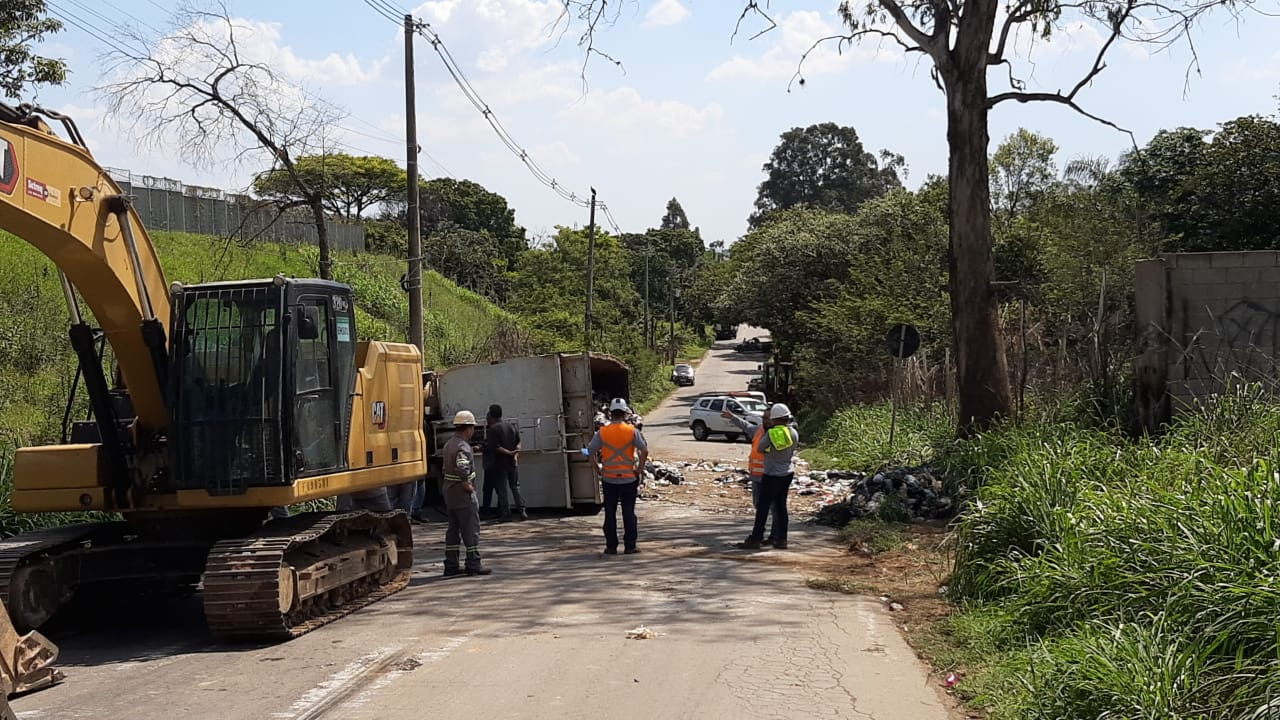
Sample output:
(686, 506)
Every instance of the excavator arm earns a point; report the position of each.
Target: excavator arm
(55, 197)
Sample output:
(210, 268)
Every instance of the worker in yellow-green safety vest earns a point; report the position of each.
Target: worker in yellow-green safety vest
(460, 498)
(779, 448)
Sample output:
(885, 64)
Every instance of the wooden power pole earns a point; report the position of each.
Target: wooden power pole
(591, 272)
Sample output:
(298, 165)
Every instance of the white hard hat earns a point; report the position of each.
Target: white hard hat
(779, 411)
(619, 404)
(464, 417)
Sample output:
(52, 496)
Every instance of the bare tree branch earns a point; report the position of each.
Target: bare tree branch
(749, 7)
(195, 88)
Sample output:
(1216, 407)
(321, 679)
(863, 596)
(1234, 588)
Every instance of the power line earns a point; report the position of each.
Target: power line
(388, 11)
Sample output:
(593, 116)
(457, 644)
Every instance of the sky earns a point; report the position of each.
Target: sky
(692, 112)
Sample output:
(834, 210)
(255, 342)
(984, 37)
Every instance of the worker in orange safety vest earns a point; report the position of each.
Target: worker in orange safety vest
(622, 451)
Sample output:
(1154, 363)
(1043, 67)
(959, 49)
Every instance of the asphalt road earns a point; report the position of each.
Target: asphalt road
(666, 427)
(737, 636)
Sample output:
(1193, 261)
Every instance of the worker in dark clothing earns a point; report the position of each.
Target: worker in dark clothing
(460, 499)
(501, 460)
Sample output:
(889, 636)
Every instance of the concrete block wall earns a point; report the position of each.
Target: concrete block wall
(1205, 319)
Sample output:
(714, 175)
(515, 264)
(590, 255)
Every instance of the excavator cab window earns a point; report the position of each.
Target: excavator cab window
(317, 412)
(226, 388)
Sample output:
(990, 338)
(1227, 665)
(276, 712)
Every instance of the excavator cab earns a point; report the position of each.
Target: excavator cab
(260, 382)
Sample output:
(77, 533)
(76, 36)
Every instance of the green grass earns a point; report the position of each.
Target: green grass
(857, 437)
(1104, 577)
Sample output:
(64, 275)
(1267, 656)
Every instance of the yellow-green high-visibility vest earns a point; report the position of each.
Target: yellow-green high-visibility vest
(780, 437)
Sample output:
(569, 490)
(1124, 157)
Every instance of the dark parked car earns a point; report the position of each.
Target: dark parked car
(682, 374)
(754, 345)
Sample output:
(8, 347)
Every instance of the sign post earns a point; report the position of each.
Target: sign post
(902, 341)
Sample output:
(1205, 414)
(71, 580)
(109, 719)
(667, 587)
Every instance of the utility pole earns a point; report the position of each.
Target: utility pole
(413, 279)
(671, 341)
(591, 271)
(648, 336)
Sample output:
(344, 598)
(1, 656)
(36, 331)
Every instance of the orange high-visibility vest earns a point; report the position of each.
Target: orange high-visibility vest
(618, 450)
(755, 461)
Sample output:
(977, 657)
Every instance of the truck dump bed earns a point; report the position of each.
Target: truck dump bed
(552, 400)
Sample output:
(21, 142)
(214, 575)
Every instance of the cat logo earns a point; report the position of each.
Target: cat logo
(8, 167)
(380, 415)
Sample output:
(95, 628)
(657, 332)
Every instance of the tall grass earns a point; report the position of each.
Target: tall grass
(1142, 577)
(857, 437)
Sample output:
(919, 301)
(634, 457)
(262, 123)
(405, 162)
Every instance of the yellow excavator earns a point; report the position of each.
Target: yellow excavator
(226, 399)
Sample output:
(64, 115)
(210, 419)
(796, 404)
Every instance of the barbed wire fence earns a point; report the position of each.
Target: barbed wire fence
(168, 204)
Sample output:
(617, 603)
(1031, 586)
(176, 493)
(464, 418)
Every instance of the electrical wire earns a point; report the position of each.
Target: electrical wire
(387, 10)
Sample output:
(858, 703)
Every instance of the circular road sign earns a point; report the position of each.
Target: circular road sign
(903, 340)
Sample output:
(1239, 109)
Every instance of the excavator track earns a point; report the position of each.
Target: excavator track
(30, 590)
(302, 572)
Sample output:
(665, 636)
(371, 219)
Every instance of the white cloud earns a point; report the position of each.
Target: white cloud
(509, 25)
(261, 42)
(665, 13)
(624, 110)
(795, 35)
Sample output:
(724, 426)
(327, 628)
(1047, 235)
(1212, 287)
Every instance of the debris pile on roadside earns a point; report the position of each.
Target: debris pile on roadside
(837, 496)
(896, 494)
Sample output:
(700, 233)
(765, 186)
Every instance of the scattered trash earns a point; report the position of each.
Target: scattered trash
(896, 607)
(898, 494)
(641, 633)
(952, 680)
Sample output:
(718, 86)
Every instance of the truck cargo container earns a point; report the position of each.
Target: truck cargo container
(552, 399)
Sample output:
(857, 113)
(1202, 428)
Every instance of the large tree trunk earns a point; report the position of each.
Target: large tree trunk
(322, 239)
(982, 378)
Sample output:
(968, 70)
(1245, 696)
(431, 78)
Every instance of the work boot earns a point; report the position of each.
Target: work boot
(452, 572)
(479, 571)
(505, 518)
(524, 515)
(749, 544)
(779, 544)
(769, 540)
(631, 551)
(611, 551)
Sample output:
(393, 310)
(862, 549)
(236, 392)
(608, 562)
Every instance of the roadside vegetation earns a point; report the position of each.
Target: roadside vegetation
(1097, 575)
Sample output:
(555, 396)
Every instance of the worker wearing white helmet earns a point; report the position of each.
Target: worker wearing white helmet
(779, 448)
(623, 452)
(460, 499)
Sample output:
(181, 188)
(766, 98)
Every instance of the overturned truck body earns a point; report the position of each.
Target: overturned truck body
(552, 399)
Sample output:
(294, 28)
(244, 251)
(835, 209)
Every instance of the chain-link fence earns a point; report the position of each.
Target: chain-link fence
(166, 204)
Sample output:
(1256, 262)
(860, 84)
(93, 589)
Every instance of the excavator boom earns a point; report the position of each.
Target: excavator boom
(54, 196)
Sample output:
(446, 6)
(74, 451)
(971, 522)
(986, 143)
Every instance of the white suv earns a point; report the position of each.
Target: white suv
(705, 420)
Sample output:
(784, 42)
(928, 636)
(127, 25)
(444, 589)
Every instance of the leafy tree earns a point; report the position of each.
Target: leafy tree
(964, 40)
(350, 184)
(900, 275)
(550, 288)
(824, 166)
(1212, 191)
(470, 258)
(793, 263)
(469, 205)
(1022, 172)
(22, 24)
(674, 219)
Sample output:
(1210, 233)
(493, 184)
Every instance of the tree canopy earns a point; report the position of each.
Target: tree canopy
(350, 184)
(24, 23)
(1211, 190)
(674, 219)
(824, 166)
